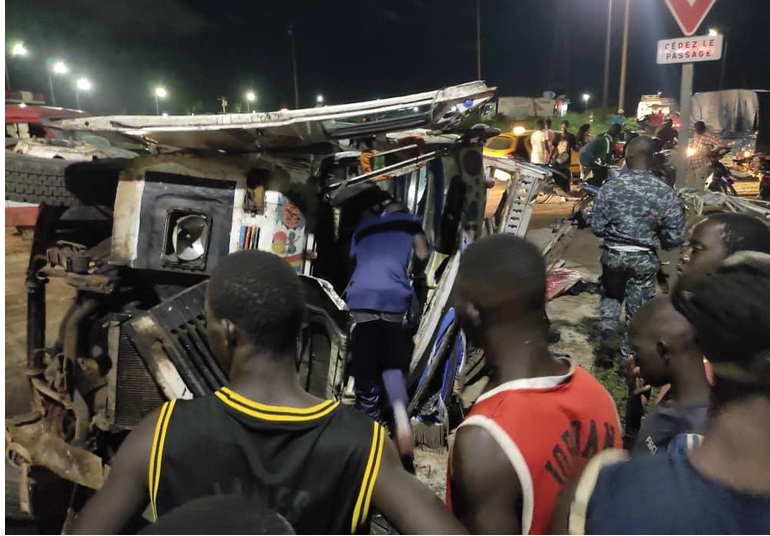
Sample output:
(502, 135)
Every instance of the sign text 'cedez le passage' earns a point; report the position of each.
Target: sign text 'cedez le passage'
(690, 49)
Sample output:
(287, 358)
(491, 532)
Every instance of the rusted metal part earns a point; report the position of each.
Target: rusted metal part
(70, 256)
(29, 444)
(100, 284)
(51, 393)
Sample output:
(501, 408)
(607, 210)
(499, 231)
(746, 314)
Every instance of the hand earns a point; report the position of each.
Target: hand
(636, 388)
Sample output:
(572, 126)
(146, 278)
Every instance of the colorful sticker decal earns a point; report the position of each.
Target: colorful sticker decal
(289, 234)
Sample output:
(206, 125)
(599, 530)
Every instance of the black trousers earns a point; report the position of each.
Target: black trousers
(378, 346)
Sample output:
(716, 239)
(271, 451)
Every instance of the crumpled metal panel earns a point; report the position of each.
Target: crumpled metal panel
(28, 444)
(292, 128)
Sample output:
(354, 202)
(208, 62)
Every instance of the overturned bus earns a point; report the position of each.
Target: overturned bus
(137, 239)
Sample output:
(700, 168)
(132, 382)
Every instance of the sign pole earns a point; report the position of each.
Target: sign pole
(685, 103)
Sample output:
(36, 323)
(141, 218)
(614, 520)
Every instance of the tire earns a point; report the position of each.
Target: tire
(37, 180)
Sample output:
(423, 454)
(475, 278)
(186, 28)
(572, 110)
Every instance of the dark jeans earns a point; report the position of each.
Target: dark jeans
(381, 351)
(598, 176)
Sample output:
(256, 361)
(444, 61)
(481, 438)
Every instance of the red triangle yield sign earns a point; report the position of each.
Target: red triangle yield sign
(689, 13)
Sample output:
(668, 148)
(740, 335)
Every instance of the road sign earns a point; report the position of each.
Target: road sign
(689, 14)
(690, 49)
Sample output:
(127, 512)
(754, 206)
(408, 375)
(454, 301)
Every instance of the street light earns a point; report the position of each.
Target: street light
(586, 98)
(250, 97)
(81, 85)
(319, 100)
(17, 49)
(160, 93)
(58, 68)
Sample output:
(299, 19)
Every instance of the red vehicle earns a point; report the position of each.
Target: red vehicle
(23, 121)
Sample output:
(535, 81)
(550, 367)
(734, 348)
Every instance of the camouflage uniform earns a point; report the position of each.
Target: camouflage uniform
(636, 213)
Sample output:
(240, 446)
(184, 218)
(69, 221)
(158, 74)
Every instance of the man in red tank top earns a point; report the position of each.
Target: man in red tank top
(540, 418)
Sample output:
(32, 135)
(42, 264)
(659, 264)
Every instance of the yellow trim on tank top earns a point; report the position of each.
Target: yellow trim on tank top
(330, 406)
(158, 443)
(377, 442)
(266, 407)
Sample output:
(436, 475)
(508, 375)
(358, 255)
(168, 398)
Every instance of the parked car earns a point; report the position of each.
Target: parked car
(516, 145)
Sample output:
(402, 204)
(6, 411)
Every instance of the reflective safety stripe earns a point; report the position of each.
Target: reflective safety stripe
(156, 455)
(361, 510)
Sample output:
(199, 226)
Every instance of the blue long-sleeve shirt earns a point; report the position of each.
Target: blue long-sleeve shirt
(638, 209)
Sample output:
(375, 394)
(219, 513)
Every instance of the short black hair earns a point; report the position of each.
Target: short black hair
(548, 123)
(220, 514)
(565, 123)
(729, 308)
(504, 272)
(699, 126)
(261, 294)
(540, 124)
(742, 232)
(615, 127)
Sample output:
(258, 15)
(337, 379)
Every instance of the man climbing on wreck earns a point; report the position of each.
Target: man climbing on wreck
(320, 465)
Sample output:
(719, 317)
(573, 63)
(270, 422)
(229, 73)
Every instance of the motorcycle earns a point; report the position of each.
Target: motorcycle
(720, 180)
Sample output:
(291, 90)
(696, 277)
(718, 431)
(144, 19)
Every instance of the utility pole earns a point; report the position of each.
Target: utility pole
(294, 68)
(624, 61)
(606, 86)
(724, 62)
(478, 39)
(50, 84)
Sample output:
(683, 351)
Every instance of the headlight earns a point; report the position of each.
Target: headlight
(746, 154)
(519, 130)
(187, 237)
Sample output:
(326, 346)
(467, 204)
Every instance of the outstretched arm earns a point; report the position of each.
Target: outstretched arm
(486, 493)
(407, 503)
(125, 494)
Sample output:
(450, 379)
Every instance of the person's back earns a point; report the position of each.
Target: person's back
(665, 494)
(596, 150)
(382, 248)
(262, 436)
(540, 417)
(310, 465)
(548, 428)
(539, 143)
(638, 209)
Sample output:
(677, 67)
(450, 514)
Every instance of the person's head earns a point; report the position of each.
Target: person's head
(396, 206)
(639, 152)
(664, 343)
(729, 308)
(255, 304)
(548, 123)
(615, 130)
(565, 126)
(220, 514)
(584, 129)
(700, 127)
(501, 282)
(540, 124)
(668, 122)
(719, 236)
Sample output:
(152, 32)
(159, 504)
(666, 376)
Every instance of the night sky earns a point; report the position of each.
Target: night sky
(358, 49)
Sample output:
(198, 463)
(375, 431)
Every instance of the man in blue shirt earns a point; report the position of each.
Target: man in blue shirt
(379, 295)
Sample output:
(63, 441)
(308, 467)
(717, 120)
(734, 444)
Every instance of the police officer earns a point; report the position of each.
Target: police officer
(635, 213)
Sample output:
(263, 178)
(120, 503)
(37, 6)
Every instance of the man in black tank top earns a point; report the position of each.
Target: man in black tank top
(320, 465)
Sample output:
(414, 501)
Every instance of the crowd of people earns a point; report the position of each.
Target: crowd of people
(542, 449)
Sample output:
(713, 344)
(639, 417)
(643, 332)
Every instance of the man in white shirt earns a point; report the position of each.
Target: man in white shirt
(539, 141)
